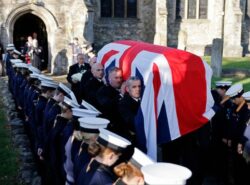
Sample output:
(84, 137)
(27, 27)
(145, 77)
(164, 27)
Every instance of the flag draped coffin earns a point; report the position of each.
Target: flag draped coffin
(176, 89)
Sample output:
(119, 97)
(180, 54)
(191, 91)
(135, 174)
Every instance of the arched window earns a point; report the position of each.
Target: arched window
(191, 9)
(119, 8)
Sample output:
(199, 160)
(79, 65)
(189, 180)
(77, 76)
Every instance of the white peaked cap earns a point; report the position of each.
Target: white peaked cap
(223, 83)
(14, 61)
(112, 140)
(11, 45)
(246, 95)
(48, 83)
(93, 123)
(21, 65)
(64, 88)
(165, 173)
(72, 96)
(34, 69)
(234, 90)
(70, 102)
(34, 75)
(89, 106)
(140, 159)
(17, 52)
(10, 48)
(81, 113)
(43, 77)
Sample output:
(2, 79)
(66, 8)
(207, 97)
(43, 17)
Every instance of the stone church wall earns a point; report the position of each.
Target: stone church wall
(156, 22)
(110, 29)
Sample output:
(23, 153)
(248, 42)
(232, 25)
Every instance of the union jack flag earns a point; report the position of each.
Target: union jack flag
(176, 89)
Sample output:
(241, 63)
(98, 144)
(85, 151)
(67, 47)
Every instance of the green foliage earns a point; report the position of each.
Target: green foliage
(233, 63)
(8, 155)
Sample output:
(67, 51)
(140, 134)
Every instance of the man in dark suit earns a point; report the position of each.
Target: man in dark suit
(94, 84)
(85, 78)
(80, 67)
(129, 105)
(108, 97)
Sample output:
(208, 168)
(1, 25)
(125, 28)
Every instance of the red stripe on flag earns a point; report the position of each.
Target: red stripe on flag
(156, 85)
(188, 76)
(107, 56)
(129, 55)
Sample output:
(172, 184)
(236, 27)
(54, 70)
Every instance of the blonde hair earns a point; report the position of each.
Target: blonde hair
(95, 149)
(88, 136)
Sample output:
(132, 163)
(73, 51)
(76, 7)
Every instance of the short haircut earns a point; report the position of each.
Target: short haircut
(113, 69)
(132, 78)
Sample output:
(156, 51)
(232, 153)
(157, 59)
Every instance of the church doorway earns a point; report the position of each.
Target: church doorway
(26, 25)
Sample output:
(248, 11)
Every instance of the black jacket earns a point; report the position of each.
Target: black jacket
(75, 87)
(128, 108)
(90, 90)
(108, 99)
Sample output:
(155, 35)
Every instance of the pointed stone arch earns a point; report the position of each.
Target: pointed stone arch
(44, 14)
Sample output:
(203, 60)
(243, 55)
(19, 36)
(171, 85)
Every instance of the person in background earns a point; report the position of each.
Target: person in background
(80, 67)
(36, 52)
(27, 51)
(76, 49)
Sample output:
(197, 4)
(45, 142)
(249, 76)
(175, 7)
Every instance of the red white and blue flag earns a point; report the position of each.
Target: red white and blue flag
(176, 89)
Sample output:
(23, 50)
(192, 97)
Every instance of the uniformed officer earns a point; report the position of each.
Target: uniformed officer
(220, 124)
(8, 55)
(54, 141)
(16, 54)
(239, 120)
(77, 154)
(48, 88)
(107, 149)
(246, 96)
(32, 97)
(52, 108)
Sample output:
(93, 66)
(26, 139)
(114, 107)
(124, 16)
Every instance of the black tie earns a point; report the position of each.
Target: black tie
(81, 68)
